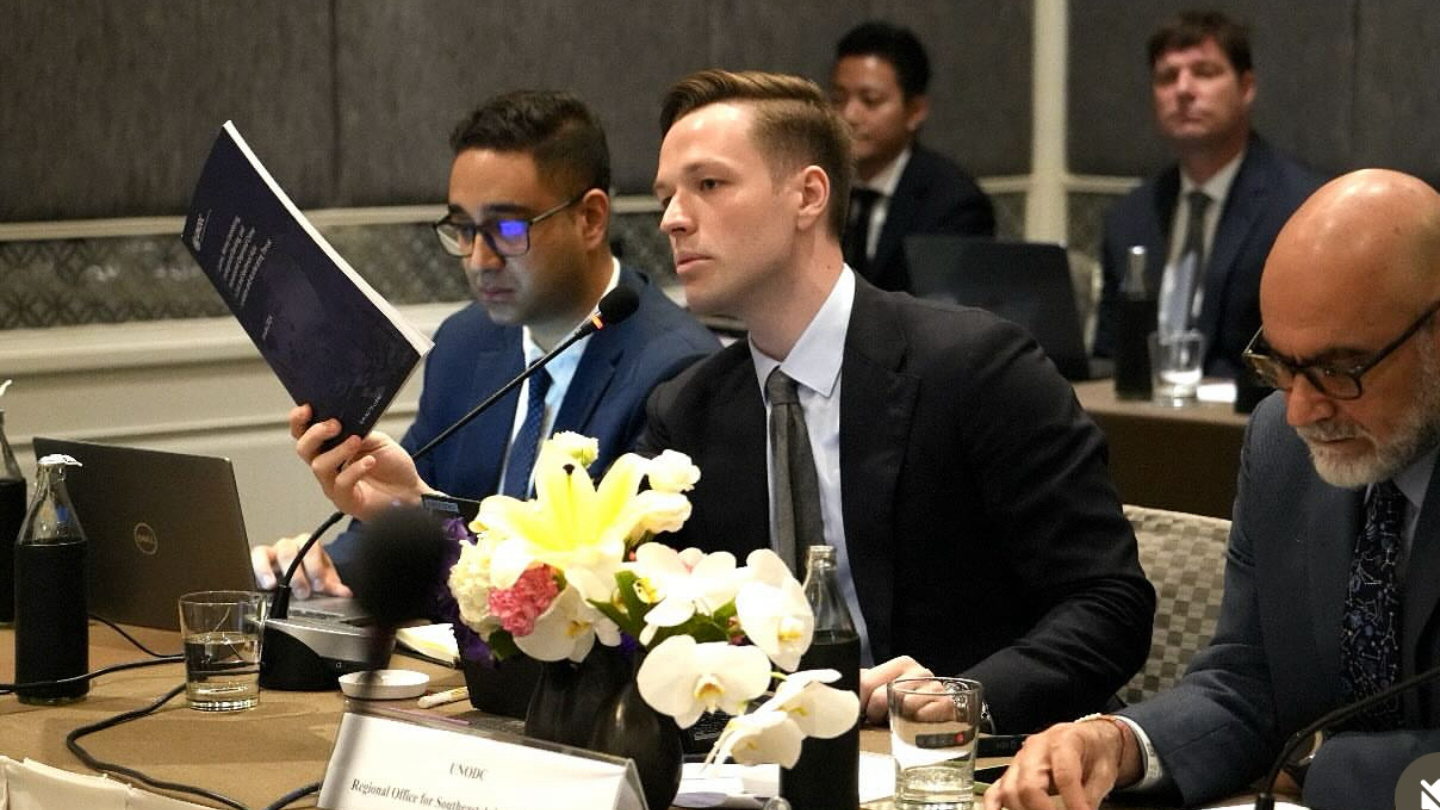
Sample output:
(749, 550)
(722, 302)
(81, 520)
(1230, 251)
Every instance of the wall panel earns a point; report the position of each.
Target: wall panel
(1397, 106)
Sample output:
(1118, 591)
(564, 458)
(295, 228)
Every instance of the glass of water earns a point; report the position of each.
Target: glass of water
(221, 630)
(933, 724)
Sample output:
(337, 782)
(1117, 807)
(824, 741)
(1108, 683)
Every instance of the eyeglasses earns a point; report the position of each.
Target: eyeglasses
(506, 236)
(1332, 380)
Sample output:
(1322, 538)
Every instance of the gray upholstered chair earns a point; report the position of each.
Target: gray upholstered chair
(1184, 558)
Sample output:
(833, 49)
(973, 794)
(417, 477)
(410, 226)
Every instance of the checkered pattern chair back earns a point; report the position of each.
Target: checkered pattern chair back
(1184, 558)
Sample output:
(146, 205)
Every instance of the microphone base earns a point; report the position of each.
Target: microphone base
(308, 655)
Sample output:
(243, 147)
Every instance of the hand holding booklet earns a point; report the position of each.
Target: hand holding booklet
(328, 336)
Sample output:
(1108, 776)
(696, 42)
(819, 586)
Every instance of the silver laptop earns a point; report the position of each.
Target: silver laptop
(161, 524)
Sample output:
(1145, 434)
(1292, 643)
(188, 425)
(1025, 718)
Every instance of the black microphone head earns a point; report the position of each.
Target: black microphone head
(618, 304)
(399, 563)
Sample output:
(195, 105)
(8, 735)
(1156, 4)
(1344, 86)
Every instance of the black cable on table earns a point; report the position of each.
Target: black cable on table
(7, 688)
(71, 742)
(117, 628)
(294, 795)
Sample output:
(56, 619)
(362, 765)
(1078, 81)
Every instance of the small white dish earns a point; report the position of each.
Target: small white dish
(384, 684)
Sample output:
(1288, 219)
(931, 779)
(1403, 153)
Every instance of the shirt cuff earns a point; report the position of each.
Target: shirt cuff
(1152, 772)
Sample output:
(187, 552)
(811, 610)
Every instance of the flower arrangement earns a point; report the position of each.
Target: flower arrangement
(550, 577)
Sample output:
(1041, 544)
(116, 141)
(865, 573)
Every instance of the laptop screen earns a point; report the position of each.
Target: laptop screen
(159, 525)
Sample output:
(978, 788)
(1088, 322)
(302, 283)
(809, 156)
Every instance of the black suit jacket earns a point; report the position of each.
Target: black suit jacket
(1274, 663)
(1266, 191)
(982, 530)
(933, 196)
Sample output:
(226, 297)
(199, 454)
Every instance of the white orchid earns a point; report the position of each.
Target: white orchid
(679, 583)
(772, 608)
(568, 629)
(759, 737)
(818, 710)
(684, 678)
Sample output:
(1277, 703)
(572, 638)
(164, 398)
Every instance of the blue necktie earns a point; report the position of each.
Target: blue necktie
(527, 442)
(1370, 629)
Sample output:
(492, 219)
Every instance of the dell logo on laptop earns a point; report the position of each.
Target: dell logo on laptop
(145, 539)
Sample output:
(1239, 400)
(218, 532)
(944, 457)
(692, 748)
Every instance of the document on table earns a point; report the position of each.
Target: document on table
(748, 786)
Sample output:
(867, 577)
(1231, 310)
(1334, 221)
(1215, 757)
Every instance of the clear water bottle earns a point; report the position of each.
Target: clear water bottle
(52, 634)
(12, 516)
(827, 776)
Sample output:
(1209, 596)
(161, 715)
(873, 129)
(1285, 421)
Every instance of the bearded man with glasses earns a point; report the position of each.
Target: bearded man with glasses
(528, 217)
(1330, 587)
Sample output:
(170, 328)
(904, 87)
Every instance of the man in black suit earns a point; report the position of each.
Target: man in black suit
(878, 85)
(963, 487)
(1203, 86)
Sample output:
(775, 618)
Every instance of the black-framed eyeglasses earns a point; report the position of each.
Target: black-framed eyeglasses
(506, 236)
(1331, 379)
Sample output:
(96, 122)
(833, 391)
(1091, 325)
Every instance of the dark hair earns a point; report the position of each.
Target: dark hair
(795, 126)
(562, 135)
(1190, 28)
(896, 45)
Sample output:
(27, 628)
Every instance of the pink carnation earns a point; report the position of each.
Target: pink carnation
(518, 606)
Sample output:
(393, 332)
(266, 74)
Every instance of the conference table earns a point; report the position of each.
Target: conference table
(254, 756)
(1182, 459)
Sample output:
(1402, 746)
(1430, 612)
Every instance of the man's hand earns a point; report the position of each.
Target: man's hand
(1080, 761)
(873, 701)
(316, 574)
(362, 477)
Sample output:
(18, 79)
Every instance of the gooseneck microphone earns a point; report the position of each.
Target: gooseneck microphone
(1265, 800)
(310, 655)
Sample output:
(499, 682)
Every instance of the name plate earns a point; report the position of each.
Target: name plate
(386, 760)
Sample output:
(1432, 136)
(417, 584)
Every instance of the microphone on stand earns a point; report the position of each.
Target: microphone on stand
(300, 654)
(1265, 800)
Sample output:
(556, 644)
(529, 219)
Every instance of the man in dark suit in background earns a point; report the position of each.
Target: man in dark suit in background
(1203, 87)
(1330, 587)
(878, 85)
(962, 486)
(529, 218)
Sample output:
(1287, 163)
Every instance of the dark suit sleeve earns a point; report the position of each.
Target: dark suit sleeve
(1058, 531)
(1355, 770)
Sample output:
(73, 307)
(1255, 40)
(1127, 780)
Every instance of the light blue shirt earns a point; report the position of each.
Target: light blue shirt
(814, 362)
(561, 370)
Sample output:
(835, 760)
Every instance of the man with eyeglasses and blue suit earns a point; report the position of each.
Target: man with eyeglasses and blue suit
(1330, 586)
(529, 214)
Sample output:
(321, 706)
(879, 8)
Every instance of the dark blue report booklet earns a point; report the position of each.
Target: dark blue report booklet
(329, 337)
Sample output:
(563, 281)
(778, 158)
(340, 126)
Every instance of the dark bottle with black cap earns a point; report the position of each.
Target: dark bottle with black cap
(1135, 320)
(827, 776)
(52, 634)
(12, 515)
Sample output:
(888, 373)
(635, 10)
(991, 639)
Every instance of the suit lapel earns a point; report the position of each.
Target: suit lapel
(487, 439)
(1333, 521)
(1422, 587)
(1167, 195)
(877, 404)
(1247, 201)
(592, 376)
(901, 211)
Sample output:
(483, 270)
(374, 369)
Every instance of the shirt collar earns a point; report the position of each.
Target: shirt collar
(1217, 188)
(815, 360)
(562, 368)
(888, 178)
(1414, 481)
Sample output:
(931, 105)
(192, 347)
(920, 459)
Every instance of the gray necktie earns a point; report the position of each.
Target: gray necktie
(1195, 245)
(797, 486)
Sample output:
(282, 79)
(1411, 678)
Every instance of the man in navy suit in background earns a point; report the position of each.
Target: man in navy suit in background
(878, 85)
(1203, 86)
(528, 217)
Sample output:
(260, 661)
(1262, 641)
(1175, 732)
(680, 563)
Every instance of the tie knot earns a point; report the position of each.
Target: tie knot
(539, 383)
(1199, 202)
(780, 389)
(1386, 497)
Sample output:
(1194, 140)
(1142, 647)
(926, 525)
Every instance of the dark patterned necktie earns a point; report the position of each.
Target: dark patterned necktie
(856, 242)
(527, 442)
(798, 521)
(1195, 245)
(1370, 629)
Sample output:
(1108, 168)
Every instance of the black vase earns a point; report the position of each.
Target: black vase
(568, 696)
(626, 726)
(502, 687)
